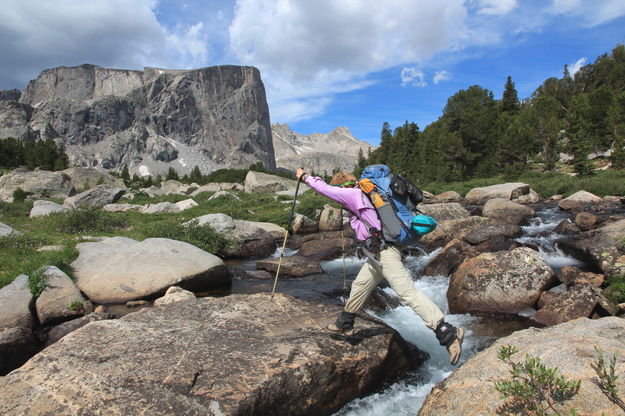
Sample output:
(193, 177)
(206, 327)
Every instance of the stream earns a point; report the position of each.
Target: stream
(406, 396)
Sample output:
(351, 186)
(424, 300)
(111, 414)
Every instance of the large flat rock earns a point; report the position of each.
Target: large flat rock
(120, 269)
(236, 355)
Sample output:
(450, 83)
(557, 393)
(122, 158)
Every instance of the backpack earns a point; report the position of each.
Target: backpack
(395, 199)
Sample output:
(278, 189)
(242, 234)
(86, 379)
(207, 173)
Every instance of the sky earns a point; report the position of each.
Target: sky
(324, 63)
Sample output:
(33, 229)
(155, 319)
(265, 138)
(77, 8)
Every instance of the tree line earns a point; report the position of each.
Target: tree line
(479, 136)
(43, 154)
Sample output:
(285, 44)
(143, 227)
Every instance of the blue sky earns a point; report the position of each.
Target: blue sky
(324, 63)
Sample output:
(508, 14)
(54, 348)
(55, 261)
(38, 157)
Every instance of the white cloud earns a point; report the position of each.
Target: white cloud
(412, 76)
(496, 7)
(324, 47)
(440, 76)
(577, 66)
(117, 33)
(590, 12)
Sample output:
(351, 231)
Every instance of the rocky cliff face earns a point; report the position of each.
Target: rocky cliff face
(148, 120)
(317, 152)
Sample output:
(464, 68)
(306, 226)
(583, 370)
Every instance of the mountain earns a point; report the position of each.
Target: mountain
(321, 153)
(214, 117)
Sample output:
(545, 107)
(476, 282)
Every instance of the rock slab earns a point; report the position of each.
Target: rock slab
(470, 390)
(235, 355)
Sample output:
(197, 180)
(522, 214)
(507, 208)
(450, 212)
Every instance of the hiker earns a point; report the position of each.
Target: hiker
(384, 261)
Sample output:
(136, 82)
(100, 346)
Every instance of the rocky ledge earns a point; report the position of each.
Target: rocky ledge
(236, 355)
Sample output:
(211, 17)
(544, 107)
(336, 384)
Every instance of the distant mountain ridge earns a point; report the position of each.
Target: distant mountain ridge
(318, 152)
(214, 117)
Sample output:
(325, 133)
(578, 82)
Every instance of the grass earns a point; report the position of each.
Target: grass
(19, 255)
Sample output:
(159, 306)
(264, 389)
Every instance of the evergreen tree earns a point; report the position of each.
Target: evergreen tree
(616, 116)
(580, 143)
(510, 99)
(125, 175)
(196, 175)
(172, 174)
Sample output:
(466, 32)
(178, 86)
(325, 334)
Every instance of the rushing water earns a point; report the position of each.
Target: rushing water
(406, 397)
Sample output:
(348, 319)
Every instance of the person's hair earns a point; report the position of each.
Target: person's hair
(340, 178)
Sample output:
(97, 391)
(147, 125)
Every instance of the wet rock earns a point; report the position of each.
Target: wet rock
(291, 266)
(482, 234)
(444, 212)
(95, 197)
(450, 229)
(15, 302)
(238, 354)
(497, 243)
(508, 211)
(297, 241)
(449, 258)
(120, 269)
(569, 347)
(600, 247)
(327, 249)
(45, 208)
(60, 299)
(566, 227)
(479, 196)
(577, 302)
(504, 282)
(586, 221)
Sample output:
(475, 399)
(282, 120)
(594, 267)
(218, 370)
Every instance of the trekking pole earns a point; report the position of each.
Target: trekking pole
(343, 249)
(286, 235)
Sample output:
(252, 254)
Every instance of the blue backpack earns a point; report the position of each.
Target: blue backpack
(395, 199)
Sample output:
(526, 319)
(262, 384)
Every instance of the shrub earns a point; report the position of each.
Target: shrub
(19, 195)
(90, 220)
(534, 389)
(615, 289)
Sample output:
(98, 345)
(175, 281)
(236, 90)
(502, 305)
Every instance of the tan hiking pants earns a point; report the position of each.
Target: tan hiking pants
(393, 270)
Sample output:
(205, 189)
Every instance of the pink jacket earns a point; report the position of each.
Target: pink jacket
(354, 200)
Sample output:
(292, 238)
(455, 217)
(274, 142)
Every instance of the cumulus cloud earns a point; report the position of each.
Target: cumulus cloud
(496, 7)
(333, 46)
(412, 76)
(42, 34)
(440, 76)
(577, 66)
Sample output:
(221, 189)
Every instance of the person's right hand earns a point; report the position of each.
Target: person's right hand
(299, 173)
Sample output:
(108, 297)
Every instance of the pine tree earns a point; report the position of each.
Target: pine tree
(616, 116)
(172, 174)
(510, 99)
(196, 175)
(125, 175)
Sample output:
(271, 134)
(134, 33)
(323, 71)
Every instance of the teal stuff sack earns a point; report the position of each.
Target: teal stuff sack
(423, 224)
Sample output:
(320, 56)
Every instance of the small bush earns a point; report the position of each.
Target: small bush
(89, 220)
(19, 195)
(615, 289)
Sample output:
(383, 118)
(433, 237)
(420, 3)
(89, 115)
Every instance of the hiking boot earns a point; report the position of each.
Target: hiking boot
(451, 338)
(336, 329)
(344, 324)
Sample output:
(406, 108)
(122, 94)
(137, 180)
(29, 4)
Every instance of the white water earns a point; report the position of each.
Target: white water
(407, 396)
